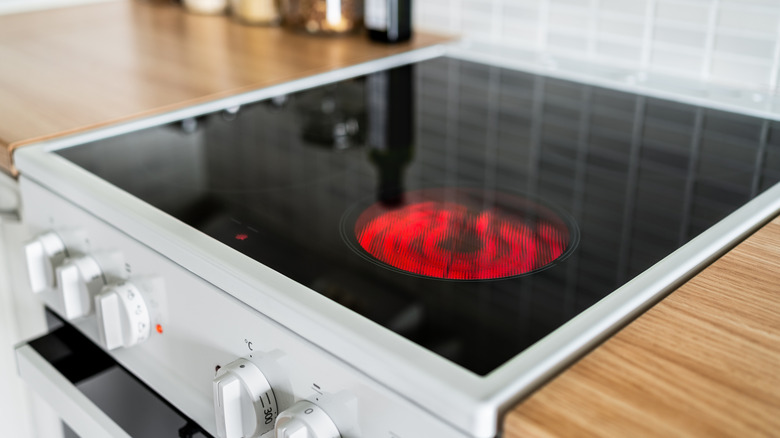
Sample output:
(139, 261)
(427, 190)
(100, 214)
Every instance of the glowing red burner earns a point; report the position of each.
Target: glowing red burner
(463, 234)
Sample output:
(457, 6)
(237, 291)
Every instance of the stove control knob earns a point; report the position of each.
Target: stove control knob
(244, 402)
(43, 254)
(126, 312)
(305, 420)
(81, 279)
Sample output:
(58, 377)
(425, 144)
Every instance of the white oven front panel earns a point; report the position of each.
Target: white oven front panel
(197, 328)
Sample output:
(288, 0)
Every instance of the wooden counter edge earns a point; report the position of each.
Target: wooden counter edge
(702, 362)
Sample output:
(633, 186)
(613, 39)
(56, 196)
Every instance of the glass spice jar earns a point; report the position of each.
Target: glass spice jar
(260, 12)
(206, 7)
(323, 16)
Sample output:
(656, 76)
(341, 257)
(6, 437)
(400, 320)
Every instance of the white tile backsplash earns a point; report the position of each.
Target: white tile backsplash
(684, 13)
(564, 42)
(685, 63)
(759, 48)
(692, 37)
(517, 34)
(635, 7)
(732, 17)
(572, 20)
(620, 28)
(618, 52)
(730, 70)
(731, 42)
(580, 3)
(770, 4)
(478, 6)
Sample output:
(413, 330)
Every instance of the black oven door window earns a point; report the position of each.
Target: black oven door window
(132, 405)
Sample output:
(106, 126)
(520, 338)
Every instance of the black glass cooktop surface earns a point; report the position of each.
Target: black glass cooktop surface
(470, 208)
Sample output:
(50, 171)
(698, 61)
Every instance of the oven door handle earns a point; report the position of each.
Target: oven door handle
(73, 407)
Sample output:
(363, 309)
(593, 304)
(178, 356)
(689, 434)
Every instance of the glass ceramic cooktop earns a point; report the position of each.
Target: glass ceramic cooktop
(469, 208)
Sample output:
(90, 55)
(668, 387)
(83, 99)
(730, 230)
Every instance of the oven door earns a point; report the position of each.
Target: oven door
(91, 393)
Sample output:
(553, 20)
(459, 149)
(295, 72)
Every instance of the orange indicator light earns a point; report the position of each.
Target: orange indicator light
(159, 329)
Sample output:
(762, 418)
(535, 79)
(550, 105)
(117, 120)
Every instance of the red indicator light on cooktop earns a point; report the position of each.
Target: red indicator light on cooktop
(465, 234)
(242, 236)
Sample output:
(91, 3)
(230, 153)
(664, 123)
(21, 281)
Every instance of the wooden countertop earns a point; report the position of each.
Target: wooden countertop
(703, 362)
(71, 69)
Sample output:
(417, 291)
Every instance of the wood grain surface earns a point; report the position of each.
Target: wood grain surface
(71, 69)
(705, 362)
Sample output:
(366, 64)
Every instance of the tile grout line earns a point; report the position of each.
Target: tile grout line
(593, 27)
(775, 70)
(709, 44)
(544, 21)
(647, 35)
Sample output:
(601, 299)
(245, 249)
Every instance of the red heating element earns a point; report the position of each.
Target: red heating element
(453, 240)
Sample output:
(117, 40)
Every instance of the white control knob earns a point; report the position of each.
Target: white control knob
(44, 253)
(49, 250)
(80, 279)
(244, 402)
(123, 315)
(305, 420)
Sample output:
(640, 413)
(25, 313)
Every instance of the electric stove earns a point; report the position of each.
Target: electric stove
(440, 237)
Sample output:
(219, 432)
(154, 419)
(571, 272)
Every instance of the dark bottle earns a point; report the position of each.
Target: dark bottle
(390, 122)
(389, 21)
